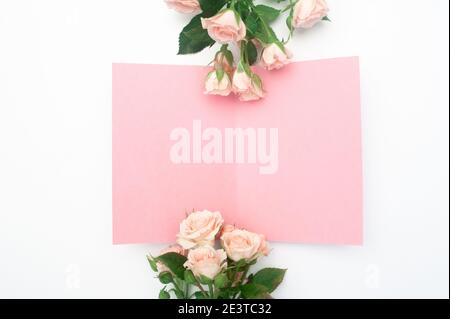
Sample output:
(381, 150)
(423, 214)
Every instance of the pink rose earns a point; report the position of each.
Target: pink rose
(248, 87)
(184, 6)
(206, 261)
(309, 12)
(224, 61)
(225, 27)
(199, 228)
(226, 229)
(171, 249)
(274, 57)
(264, 248)
(218, 83)
(242, 244)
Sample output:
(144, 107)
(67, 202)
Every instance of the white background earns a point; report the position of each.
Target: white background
(55, 148)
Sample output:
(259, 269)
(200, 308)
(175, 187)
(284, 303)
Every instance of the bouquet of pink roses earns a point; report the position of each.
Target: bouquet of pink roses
(246, 26)
(195, 268)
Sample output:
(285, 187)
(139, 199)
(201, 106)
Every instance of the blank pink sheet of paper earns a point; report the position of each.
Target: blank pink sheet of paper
(174, 151)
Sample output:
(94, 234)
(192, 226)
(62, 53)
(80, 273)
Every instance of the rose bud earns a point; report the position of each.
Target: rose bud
(248, 87)
(275, 56)
(218, 83)
(224, 60)
(184, 6)
(308, 12)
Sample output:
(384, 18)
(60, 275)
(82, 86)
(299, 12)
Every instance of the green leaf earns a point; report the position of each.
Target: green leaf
(189, 277)
(251, 23)
(325, 18)
(210, 8)
(242, 9)
(252, 53)
(165, 277)
(193, 38)
(179, 294)
(205, 280)
(221, 281)
(270, 278)
(254, 291)
(164, 294)
(152, 263)
(199, 295)
(175, 263)
(226, 293)
(265, 33)
(267, 13)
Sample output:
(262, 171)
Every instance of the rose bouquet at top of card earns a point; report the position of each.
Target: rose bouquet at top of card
(196, 268)
(244, 24)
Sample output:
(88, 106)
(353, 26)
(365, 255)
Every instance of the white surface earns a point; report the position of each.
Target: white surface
(55, 148)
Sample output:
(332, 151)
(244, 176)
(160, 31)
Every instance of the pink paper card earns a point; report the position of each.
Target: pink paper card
(288, 166)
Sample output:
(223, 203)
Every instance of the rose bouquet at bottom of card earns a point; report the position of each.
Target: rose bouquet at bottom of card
(195, 268)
